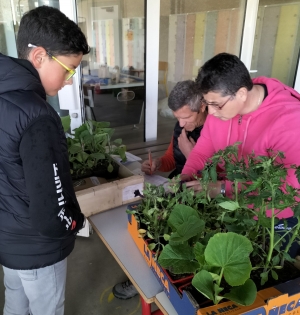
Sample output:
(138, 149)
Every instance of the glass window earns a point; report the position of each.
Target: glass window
(191, 32)
(11, 13)
(113, 73)
(277, 40)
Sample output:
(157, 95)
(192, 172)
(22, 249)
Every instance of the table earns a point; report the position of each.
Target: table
(111, 227)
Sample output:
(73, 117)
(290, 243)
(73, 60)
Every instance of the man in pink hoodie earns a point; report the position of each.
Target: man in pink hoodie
(262, 114)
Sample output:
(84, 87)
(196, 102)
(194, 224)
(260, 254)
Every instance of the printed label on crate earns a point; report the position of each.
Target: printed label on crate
(282, 305)
(128, 192)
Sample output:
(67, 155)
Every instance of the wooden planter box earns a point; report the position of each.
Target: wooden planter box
(97, 198)
(282, 299)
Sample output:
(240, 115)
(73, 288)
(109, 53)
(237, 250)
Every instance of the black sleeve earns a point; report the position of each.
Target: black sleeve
(53, 207)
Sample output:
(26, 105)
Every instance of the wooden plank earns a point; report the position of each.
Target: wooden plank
(180, 47)
(199, 41)
(222, 29)
(189, 46)
(172, 47)
(267, 42)
(235, 31)
(285, 42)
(147, 144)
(210, 35)
(161, 147)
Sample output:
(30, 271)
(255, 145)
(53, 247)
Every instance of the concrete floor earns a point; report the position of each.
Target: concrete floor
(92, 272)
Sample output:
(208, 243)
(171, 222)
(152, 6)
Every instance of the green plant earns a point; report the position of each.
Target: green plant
(155, 208)
(259, 190)
(91, 147)
(219, 238)
(215, 259)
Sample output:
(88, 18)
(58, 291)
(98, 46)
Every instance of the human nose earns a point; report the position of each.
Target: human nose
(211, 110)
(182, 123)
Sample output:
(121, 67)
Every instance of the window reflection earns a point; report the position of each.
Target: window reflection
(191, 32)
(113, 73)
(277, 40)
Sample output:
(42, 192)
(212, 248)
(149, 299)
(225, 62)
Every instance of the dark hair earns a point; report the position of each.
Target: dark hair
(185, 93)
(224, 73)
(51, 29)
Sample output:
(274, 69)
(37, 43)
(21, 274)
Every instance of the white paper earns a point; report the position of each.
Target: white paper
(128, 192)
(95, 180)
(155, 179)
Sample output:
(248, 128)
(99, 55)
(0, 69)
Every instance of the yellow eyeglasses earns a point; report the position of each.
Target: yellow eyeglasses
(71, 71)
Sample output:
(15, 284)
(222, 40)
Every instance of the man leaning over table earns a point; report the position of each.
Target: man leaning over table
(185, 102)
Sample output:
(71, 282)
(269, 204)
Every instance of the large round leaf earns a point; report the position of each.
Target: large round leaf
(180, 259)
(230, 251)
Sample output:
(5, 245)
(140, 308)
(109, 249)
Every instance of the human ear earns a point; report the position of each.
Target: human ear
(37, 56)
(242, 94)
(202, 108)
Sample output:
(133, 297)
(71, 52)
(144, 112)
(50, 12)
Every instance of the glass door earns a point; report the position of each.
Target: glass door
(11, 13)
(277, 40)
(191, 32)
(113, 73)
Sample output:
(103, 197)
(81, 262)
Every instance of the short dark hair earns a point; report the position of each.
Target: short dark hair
(185, 93)
(51, 29)
(224, 73)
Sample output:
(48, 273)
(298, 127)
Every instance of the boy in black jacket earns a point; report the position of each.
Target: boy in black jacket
(39, 213)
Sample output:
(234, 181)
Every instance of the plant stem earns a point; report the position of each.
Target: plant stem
(291, 240)
(271, 232)
(220, 277)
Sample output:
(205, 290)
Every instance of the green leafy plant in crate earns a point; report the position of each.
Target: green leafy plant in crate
(235, 238)
(91, 149)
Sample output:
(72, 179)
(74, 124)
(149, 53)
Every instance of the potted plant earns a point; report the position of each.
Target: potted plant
(91, 149)
(230, 243)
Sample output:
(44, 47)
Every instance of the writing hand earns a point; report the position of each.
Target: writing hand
(145, 167)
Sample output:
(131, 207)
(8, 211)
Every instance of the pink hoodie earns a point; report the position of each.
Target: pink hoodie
(274, 125)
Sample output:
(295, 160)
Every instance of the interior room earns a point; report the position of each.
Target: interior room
(139, 51)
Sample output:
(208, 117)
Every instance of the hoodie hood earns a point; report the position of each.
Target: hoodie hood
(19, 74)
(280, 97)
(279, 94)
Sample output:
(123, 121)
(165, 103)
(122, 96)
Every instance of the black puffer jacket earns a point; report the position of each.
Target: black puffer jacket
(39, 213)
(178, 156)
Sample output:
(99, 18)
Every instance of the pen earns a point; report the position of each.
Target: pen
(150, 161)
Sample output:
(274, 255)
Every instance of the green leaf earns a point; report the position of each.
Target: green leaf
(244, 294)
(98, 156)
(179, 258)
(274, 274)
(151, 246)
(75, 148)
(230, 251)
(203, 282)
(297, 210)
(110, 168)
(213, 173)
(118, 141)
(229, 205)
(199, 253)
(66, 122)
(186, 223)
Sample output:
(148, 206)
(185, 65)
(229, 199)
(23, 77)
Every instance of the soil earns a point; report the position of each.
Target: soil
(287, 273)
(101, 171)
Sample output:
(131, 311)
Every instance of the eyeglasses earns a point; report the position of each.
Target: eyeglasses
(71, 72)
(217, 106)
